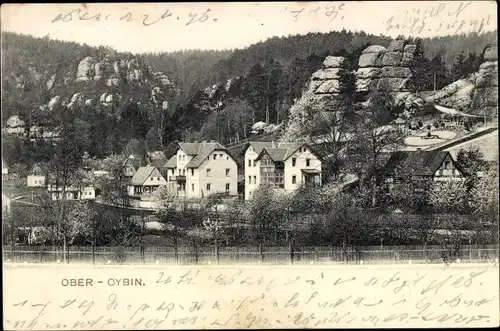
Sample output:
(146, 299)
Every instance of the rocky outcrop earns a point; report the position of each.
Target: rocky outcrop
(326, 80)
(475, 94)
(385, 69)
(114, 72)
(86, 69)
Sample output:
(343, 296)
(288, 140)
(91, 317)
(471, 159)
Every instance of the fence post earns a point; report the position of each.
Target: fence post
(93, 253)
(261, 253)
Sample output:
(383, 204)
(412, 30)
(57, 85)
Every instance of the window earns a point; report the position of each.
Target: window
(158, 178)
(208, 172)
(249, 163)
(215, 156)
(227, 171)
(192, 171)
(255, 179)
(227, 186)
(152, 178)
(172, 171)
(308, 162)
(254, 163)
(192, 187)
(183, 172)
(294, 179)
(208, 187)
(221, 155)
(294, 161)
(447, 164)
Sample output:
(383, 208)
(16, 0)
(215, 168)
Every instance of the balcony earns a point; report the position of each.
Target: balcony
(179, 179)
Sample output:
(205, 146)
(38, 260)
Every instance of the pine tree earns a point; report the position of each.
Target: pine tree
(420, 68)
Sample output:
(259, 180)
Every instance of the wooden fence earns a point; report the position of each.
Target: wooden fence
(247, 255)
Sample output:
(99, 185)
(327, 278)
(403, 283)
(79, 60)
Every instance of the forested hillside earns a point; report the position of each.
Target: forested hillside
(119, 99)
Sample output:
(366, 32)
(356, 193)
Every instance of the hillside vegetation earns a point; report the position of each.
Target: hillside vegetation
(200, 95)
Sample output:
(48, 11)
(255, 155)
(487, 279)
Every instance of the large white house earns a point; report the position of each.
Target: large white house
(201, 169)
(287, 165)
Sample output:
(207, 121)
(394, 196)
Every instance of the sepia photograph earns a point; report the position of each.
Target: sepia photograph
(320, 160)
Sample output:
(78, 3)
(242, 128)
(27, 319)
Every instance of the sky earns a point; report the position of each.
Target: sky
(164, 27)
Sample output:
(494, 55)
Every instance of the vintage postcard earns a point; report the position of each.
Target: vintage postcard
(250, 165)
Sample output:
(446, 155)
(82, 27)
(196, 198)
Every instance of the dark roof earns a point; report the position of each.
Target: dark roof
(279, 147)
(421, 163)
(276, 154)
(290, 148)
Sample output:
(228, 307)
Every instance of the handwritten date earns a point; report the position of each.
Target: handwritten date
(145, 19)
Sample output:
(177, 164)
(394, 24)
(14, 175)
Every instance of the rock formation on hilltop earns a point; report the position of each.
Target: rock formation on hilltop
(326, 80)
(90, 84)
(387, 69)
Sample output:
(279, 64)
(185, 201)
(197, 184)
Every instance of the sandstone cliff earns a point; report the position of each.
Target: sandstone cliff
(475, 94)
(386, 69)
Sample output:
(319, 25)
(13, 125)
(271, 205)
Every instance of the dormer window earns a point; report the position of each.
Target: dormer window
(215, 156)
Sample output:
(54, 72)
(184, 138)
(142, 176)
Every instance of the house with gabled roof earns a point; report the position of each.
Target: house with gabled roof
(37, 176)
(145, 182)
(287, 165)
(132, 164)
(436, 166)
(201, 169)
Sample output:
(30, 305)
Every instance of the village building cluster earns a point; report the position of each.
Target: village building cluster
(197, 170)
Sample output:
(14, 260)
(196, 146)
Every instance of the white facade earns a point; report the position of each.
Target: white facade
(299, 166)
(217, 173)
(35, 181)
(72, 193)
(252, 171)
